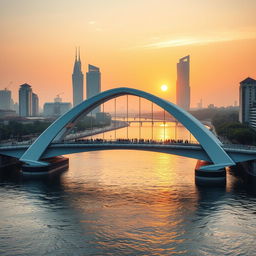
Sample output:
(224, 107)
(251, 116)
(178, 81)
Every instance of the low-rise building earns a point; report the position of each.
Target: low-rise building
(56, 108)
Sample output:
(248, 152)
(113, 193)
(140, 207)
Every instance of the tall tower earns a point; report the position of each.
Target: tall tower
(5, 99)
(93, 83)
(247, 102)
(77, 81)
(35, 104)
(182, 86)
(25, 100)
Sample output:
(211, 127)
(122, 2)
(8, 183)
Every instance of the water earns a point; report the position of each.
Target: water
(125, 203)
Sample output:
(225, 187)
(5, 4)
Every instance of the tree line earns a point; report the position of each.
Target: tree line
(19, 131)
(227, 125)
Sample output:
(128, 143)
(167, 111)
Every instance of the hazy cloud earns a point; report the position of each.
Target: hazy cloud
(91, 22)
(182, 41)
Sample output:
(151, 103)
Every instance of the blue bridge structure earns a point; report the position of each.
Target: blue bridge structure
(209, 148)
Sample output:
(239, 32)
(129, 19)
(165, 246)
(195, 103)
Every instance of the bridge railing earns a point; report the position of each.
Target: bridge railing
(113, 141)
(239, 146)
(129, 141)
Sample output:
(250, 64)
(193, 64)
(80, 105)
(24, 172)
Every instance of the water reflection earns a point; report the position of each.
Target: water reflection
(125, 203)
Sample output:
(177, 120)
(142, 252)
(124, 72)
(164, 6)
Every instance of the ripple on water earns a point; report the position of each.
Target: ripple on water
(126, 203)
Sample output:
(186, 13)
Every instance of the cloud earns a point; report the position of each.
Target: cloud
(182, 41)
(91, 22)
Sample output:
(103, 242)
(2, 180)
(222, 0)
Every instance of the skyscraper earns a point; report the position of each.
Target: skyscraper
(93, 83)
(35, 105)
(77, 81)
(247, 102)
(182, 86)
(25, 100)
(5, 99)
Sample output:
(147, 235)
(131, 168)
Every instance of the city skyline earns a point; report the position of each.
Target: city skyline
(157, 155)
(140, 52)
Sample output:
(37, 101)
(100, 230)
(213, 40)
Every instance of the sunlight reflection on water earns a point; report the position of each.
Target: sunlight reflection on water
(126, 203)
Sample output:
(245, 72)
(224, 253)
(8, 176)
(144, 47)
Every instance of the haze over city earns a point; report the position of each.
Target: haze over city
(128, 127)
(135, 44)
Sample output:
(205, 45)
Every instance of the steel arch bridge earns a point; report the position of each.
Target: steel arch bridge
(211, 145)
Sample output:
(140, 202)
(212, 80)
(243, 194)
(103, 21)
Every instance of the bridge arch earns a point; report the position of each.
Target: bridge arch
(211, 145)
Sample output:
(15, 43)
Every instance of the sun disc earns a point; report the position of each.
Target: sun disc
(164, 87)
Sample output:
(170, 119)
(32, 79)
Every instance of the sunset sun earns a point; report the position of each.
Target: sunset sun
(164, 87)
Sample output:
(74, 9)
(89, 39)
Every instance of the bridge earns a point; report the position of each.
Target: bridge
(238, 153)
(51, 142)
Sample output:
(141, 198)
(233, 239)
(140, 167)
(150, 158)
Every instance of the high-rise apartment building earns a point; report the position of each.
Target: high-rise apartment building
(35, 105)
(77, 81)
(93, 83)
(182, 85)
(5, 99)
(247, 102)
(25, 100)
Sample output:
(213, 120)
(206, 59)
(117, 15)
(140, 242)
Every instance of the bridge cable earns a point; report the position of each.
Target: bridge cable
(127, 115)
(164, 125)
(152, 124)
(91, 125)
(115, 118)
(139, 118)
(103, 120)
(176, 124)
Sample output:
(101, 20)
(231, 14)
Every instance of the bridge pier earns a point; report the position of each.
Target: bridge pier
(209, 178)
(50, 166)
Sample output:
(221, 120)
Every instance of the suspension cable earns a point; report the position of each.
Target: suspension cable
(176, 124)
(91, 125)
(103, 120)
(164, 125)
(139, 118)
(115, 118)
(152, 124)
(127, 115)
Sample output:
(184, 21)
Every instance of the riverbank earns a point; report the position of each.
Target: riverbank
(246, 170)
(114, 126)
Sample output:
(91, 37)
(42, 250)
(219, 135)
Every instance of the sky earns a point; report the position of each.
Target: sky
(136, 43)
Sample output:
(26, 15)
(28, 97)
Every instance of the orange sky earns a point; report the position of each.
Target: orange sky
(136, 43)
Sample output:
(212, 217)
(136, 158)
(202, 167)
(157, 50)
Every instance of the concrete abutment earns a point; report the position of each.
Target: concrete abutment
(209, 177)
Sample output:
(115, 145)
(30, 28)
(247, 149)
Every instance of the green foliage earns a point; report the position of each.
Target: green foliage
(17, 130)
(225, 117)
(88, 122)
(204, 114)
(227, 126)
(225, 121)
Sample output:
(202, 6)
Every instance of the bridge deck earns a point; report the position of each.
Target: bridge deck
(238, 153)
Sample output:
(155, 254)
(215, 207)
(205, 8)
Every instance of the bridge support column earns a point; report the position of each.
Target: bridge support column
(49, 166)
(209, 178)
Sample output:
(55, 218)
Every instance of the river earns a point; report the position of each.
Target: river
(126, 203)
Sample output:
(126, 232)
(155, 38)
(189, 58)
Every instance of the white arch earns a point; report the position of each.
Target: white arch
(208, 141)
